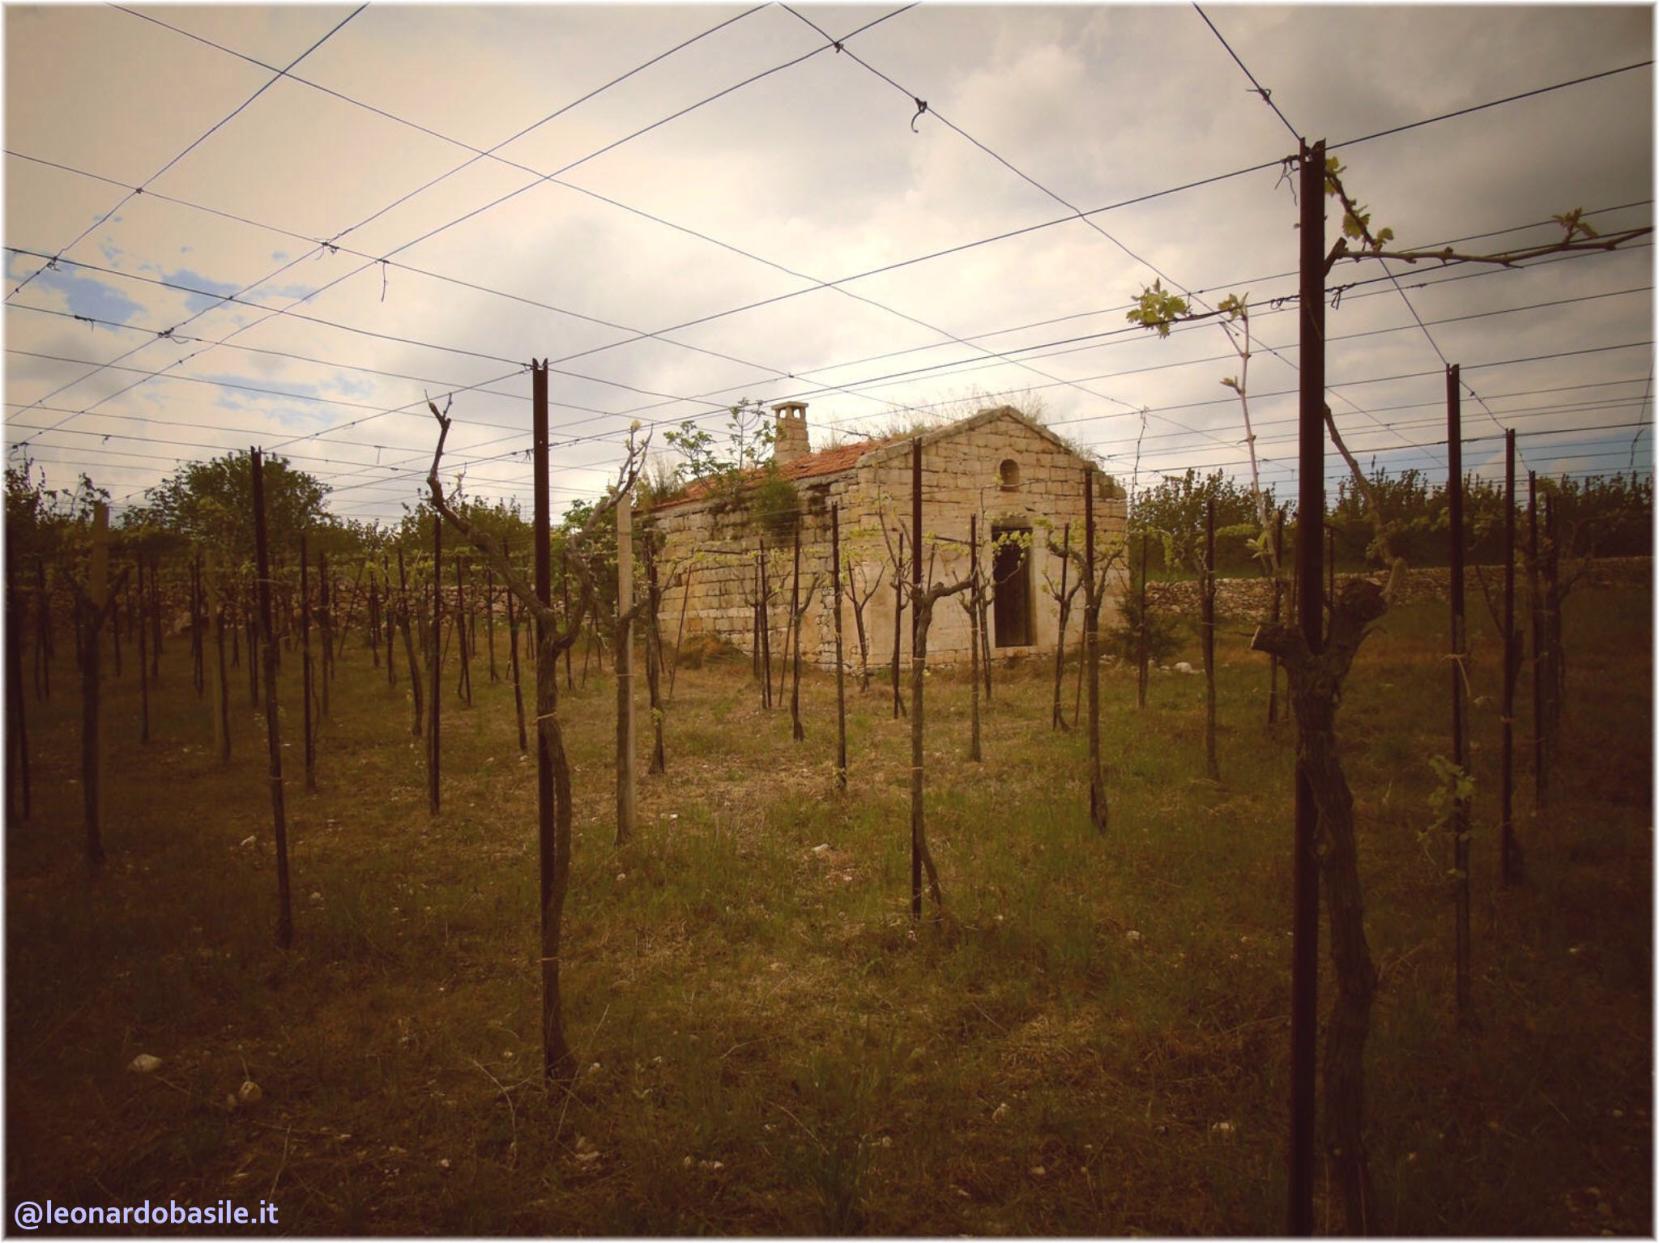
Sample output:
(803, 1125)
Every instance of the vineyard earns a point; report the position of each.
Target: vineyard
(978, 620)
(764, 1042)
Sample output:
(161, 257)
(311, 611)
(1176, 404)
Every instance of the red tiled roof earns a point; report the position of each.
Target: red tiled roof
(831, 461)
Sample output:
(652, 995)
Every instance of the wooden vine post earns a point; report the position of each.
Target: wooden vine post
(1460, 674)
(273, 729)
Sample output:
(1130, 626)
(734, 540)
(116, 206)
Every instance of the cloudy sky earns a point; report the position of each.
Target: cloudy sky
(687, 205)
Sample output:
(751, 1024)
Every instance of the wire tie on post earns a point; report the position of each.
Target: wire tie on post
(921, 107)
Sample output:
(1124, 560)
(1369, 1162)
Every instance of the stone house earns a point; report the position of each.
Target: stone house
(1024, 483)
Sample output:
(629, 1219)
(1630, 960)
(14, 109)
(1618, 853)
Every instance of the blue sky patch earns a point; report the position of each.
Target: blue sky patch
(86, 294)
(200, 302)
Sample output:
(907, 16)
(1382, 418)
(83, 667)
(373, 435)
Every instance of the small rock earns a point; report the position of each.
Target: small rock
(1132, 936)
(1000, 1112)
(316, 896)
(822, 848)
(595, 1068)
(1182, 666)
(249, 1093)
(688, 1163)
(1221, 1128)
(250, 840)
(144, 1063)
(443, 1163)
(621, 877)
(713, 1167)
(1038, 1171)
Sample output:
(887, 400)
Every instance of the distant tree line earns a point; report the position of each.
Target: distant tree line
(1603, 515)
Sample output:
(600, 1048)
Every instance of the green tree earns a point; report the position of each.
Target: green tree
(211, 503)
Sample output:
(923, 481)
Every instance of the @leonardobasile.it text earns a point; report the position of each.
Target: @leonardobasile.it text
(32, 1214)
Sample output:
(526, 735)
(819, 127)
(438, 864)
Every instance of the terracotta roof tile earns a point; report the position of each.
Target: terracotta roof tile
(831, 461)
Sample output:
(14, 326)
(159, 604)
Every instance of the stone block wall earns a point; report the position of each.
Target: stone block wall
(962, 475)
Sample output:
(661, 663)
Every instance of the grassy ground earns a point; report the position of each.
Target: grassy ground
(768, 1046)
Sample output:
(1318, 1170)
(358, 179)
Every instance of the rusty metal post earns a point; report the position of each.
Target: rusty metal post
(1510, 847)
(434, 736)
(1304, 987)
(1460, 672)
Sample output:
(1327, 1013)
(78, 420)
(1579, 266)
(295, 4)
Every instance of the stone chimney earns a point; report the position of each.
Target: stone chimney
(791, 439)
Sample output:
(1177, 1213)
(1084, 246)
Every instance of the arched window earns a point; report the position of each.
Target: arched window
(1009, 474)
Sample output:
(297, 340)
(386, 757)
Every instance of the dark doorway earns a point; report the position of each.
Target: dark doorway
(1012, 604)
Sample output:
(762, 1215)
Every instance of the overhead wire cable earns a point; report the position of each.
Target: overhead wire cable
(469, 215)
(201, 138)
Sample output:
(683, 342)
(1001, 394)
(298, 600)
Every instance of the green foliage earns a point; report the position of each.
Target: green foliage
(1574, 224)
(1173, 513)
(1453, 786)
(211, 503)
(1607, 515)
(749, 437)
(1157, 308)
(774, 503)
(1160, 625)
